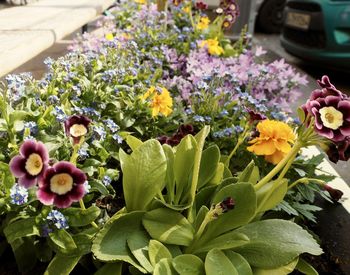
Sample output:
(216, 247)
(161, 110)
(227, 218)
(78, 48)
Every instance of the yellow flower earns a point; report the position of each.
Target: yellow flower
(141, 1)
(161, 101)
(273, 141)
(150, 92)
(213, 46)
(203, 23)
(186, 9)
(109, 36)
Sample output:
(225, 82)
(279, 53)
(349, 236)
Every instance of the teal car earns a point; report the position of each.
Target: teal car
(318, 30)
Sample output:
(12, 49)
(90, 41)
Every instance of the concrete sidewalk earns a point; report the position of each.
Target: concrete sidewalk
(26, 31)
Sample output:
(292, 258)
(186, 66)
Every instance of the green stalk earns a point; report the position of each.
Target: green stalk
(73, 160)
(197, 162)
(293, 152)
(240, 140)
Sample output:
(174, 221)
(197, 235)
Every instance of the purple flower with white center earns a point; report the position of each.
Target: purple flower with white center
(30, 165)
(57, 219)
(61, 185)
(77, 127)
(331, 110)
(18, 194)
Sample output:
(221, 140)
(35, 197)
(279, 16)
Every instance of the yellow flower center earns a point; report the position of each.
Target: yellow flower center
(78, 130)
(61, 183)
(331, 117)
(34, 164)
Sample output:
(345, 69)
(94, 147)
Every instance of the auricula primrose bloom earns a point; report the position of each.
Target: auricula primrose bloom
(77, 127)
(61, 185)
(331, 110)
(30, 164)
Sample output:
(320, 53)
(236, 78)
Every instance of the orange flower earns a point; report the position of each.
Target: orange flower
(274, 140)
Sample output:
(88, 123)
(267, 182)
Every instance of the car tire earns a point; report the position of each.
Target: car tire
(270, 17)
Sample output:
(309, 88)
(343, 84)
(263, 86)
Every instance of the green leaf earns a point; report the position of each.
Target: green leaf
(209, 162)
(23, 252)
(238, 261)
(216, 262)
(164, 267)
(110, 244)
(110, 269)
(157, 251)
(21, 228)
(203, 211)
(144, 173)
(63, 240)
(245, 175)
(170, 178)
(133, 142)
(168, 226)
(305, 268)
(282, 270)
(188, 265)
(245, 205)
(226, 241)
(42, 251)
(219, 174)
(275, 243)
(301, 114)
(8, 178)
(81, 217)
(275, 198)
(62, 265)
(183, 164)
(138, 245)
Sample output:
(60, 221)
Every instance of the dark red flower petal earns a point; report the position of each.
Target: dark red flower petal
(62, 201)
(17, 166)
(77, 193)
(28, 148)
(78, 176)
(27, 181)
(64, 167)
(42, 151)
(45, 197)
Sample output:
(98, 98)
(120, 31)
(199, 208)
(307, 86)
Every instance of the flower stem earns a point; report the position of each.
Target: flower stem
(240, 140)
(306, 181)
(191, 17)
(82, 206)
(199, 233)
(291, 155)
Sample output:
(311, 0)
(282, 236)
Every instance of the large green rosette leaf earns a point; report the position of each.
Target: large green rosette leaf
(111, 243)
(168, 226)
(275, 243)
(144, 174)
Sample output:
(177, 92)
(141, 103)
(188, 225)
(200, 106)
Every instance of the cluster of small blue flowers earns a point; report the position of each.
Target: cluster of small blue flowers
(203, 119)
(16, 85)
(111, 125)
(228, 132)
(106, 180)
(99, 133)
(18, 195)
(59, 114)
(32, 126)
(57, 219)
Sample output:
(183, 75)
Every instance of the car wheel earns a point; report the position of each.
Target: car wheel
(270, 17)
